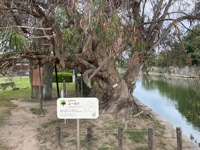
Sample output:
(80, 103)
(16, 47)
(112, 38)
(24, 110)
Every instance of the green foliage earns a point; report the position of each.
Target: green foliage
(71, 38)
(174, 57)
(97, 4)
(192, 45)
(151, 60)
(12, 42)
(105, 28)
(140, 46)
(19, 43)
(5, 38)
(177, 56)
(67, 76)
(60, 16)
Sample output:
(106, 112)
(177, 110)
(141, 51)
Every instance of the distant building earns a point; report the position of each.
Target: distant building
(22, 67)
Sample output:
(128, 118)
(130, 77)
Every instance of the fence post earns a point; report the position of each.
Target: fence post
(150, 139)
(89, 137)
(64, 89)
(179, 138)
(58, 129)
(120, 138)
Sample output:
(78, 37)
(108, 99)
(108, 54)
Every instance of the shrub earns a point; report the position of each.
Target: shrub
(67, 76)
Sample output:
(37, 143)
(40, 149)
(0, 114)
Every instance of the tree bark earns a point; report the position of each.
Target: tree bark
(117, 98)
(131, 74)
(46, 88)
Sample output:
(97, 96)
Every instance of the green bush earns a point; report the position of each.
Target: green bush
(67, 76)
(70, 71)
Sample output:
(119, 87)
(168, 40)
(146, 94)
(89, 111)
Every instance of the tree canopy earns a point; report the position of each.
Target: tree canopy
(182, 53)
(192, 43)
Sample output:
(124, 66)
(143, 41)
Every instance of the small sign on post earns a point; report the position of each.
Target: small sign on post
(77, 108)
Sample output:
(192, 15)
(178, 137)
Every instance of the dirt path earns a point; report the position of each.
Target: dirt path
(20, 130)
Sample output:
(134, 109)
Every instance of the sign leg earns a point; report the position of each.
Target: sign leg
(78, 134)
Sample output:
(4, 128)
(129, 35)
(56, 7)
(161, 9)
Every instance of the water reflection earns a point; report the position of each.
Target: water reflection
(176, 100)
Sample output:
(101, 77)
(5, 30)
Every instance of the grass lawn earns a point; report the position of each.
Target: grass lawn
(24, 92)
(6, 95)
(70, 89)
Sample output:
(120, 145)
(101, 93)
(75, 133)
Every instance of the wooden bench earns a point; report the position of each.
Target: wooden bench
(4, 85)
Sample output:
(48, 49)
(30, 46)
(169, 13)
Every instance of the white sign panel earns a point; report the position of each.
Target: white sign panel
(77, 108)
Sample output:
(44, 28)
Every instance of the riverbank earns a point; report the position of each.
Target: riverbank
(170, 130)
(185, 72)
(25, 130)
(174, 99)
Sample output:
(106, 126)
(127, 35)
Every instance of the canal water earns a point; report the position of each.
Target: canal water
(175, 100)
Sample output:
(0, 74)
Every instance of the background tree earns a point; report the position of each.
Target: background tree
(182, 53)
(192, 44)
(91, 35)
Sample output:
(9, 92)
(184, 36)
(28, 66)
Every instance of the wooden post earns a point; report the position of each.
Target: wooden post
(150, 139)
(40, 91)
(78, 134)
(179, 138)
(120, 138)
(64, 89)
(89, 137)
(58, 130)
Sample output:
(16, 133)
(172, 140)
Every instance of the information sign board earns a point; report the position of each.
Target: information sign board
(77, 108)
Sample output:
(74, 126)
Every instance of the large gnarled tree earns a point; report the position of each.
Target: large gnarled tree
(95, 36)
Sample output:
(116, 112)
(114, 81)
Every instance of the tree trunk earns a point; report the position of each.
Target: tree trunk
(117, 94)
(46, 86)
(117, 91)
(117, 98)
